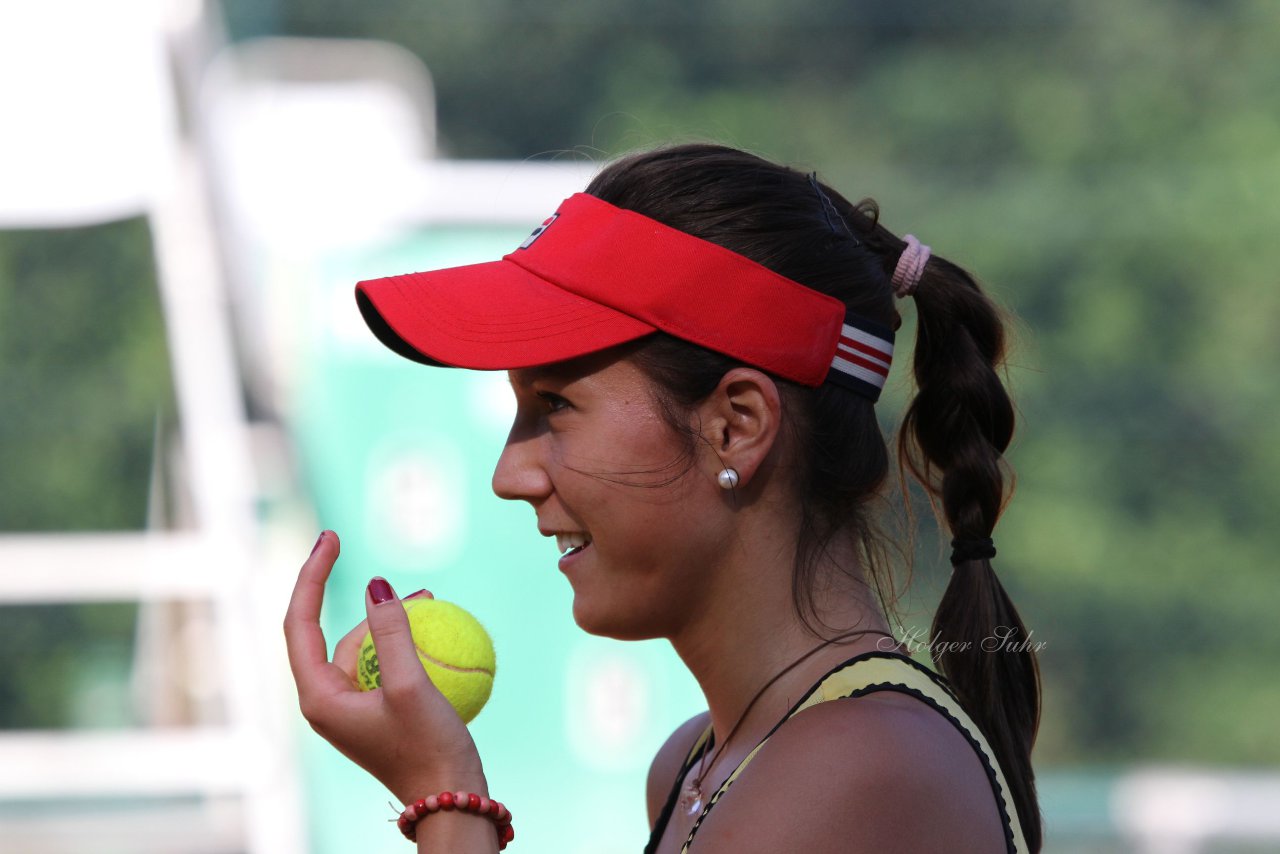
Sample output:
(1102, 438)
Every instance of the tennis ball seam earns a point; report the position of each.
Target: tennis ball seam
(451, 633)
(455, 668)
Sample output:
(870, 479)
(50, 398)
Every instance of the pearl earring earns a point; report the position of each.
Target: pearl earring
(728, 478)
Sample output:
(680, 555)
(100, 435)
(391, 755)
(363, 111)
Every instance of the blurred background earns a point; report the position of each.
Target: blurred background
(190, 189)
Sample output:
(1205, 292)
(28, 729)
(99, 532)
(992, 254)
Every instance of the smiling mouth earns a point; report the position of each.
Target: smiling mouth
(571, 544)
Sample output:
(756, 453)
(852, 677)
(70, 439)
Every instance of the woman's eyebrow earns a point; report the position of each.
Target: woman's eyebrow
(524, 377)
(563, 372)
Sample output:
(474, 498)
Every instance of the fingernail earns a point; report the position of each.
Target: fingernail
(380, 591)
(319, 540)
(423, 592)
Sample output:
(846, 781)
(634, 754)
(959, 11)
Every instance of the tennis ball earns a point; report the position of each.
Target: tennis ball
(454, 649)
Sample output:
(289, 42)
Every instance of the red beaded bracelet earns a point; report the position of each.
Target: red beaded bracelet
(462, 801)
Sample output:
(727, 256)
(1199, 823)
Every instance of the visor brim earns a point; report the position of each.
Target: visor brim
(491, 316)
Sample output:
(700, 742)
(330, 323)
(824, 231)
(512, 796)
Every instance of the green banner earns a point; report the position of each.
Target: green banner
(397, 458)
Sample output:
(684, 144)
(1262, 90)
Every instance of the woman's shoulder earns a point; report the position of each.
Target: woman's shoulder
(883, 772)
(670, 759)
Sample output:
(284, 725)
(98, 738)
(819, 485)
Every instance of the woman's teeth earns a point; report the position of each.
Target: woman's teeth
(572, 542)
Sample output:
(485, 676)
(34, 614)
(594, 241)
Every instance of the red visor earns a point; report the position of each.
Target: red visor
(593, 276)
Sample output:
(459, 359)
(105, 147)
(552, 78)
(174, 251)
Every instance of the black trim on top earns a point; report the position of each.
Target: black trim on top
(936, 678)
(664, 818)
(987, 766)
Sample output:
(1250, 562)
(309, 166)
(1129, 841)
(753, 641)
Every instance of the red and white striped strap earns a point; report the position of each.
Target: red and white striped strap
(863, 356)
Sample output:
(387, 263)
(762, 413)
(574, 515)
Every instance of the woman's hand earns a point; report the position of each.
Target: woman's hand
(405, 733)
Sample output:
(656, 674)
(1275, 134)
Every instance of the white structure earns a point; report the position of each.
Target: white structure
(297, 146)
(89, 91)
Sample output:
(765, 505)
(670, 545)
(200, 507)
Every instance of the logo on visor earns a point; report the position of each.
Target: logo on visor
(537, 232)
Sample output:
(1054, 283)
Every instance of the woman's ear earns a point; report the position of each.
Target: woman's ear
(740, 421)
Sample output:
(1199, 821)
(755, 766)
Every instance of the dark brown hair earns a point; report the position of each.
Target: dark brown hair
(952, 436)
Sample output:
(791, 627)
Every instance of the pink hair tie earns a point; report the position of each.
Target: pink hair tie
(910, 267)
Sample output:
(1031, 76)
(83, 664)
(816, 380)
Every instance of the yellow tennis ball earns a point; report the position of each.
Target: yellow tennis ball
(454, 649)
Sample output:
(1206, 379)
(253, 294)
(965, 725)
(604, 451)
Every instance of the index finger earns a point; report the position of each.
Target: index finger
(302, 635)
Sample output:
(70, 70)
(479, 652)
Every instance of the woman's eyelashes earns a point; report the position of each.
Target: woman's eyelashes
(553, 401)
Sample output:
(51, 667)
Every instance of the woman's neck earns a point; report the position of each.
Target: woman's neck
(748, 631)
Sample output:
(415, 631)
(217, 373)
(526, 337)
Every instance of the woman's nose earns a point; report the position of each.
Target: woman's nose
(519, 475)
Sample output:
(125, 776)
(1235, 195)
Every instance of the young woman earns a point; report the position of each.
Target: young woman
(696, 345)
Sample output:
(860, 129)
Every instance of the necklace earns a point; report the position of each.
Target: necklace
(691, 796)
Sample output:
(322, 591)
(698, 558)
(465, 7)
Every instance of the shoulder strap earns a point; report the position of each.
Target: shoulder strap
(660, 826)
(885, 671)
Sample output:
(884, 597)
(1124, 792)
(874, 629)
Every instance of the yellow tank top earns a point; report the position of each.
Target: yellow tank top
(860, 675)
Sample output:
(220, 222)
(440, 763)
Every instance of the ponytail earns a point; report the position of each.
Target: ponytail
(952, 440)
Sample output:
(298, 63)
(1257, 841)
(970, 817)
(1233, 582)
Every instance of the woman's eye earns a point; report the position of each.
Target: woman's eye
(554, 402)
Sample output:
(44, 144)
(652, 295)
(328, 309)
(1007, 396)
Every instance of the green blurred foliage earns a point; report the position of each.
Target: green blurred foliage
(67, 666)
(1109, 168)
(84, 380)
(84, 377)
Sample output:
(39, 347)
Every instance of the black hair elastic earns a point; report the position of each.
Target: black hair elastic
(980, 549)
(829, 208)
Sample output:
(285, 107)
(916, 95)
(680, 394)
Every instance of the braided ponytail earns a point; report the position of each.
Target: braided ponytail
(952, 439)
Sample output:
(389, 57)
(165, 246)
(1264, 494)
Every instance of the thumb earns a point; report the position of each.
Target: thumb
(392, 638)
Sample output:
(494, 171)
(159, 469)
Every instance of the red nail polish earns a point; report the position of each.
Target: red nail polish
(319, 540)
(380, 591)
(417, 593)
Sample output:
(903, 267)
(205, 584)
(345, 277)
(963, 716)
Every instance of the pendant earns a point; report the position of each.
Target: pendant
(691, 799)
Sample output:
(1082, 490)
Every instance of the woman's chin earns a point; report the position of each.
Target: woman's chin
(606, 624)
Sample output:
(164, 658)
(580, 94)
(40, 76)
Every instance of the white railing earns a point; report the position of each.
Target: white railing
(208, 600)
